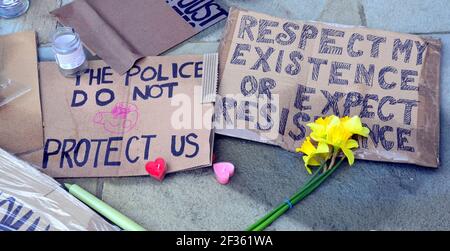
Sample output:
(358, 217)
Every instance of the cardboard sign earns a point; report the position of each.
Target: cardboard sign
(307, 70)
(21, 119)
(104, 124)
(121, 32)
(32, 201)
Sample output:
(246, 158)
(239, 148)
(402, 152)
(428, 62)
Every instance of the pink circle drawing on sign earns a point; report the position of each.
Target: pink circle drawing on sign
(122, 118)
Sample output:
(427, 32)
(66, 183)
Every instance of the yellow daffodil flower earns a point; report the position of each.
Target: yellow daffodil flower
(319, 128)
(312, 153)
(354, 126)
(337, 132)
(347, 150)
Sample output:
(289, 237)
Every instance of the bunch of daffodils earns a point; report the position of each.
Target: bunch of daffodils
(329, 137)
(332, 135)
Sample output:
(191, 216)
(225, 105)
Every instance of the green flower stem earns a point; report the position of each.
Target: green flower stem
(283, 205)
(272, 218)
(315, 176)
(306, 190)
(298, 197)
(267, 216)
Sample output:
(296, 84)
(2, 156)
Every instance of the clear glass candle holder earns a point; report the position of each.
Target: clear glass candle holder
(69, 53)
(13, 8)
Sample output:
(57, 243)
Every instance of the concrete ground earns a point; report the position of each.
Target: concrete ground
(368, 196)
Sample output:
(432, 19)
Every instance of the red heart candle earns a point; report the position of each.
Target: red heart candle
(157, 168)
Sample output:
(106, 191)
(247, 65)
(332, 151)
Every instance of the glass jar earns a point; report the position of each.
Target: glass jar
(13, 8)
(69, 53)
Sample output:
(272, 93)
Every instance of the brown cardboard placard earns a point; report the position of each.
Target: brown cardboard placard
(104, 124)
(21, 120)
(121, 32)
(310, 69)
(32, 201)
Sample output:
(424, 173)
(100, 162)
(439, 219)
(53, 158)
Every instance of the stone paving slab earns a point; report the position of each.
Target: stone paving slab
(418, 16)
(349, 12)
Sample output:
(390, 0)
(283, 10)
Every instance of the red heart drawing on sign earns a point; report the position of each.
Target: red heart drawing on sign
(157, 168)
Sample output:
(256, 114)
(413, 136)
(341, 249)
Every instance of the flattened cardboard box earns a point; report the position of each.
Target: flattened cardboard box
(313, 69)
(121, 32)
(21, 120)
(103, 124)
(32, 201)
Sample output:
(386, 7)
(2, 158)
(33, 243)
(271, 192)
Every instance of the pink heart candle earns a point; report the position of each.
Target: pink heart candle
(223, 171)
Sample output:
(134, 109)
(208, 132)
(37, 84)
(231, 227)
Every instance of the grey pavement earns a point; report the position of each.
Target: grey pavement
(367, 196)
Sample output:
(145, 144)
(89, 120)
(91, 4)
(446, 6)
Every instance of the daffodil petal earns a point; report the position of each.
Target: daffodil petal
(311, 125)
(313, 162)
(364, 132)
(354, 126)
(315, 127)
(351, 143)
(354, 122)
(323, 148)
(344, 119)
(349, 154)
(334, 120)
(306, 159)
(307, 147)
(316, 137)
(310, 161)
(308, 170)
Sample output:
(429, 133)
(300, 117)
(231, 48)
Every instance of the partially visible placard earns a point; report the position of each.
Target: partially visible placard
(32, 201)
(21, 129)
(106, 124)
(307, 70)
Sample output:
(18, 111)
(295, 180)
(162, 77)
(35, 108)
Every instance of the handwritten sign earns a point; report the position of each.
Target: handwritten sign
(308, 70)
(17, 217)
(105, 124)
